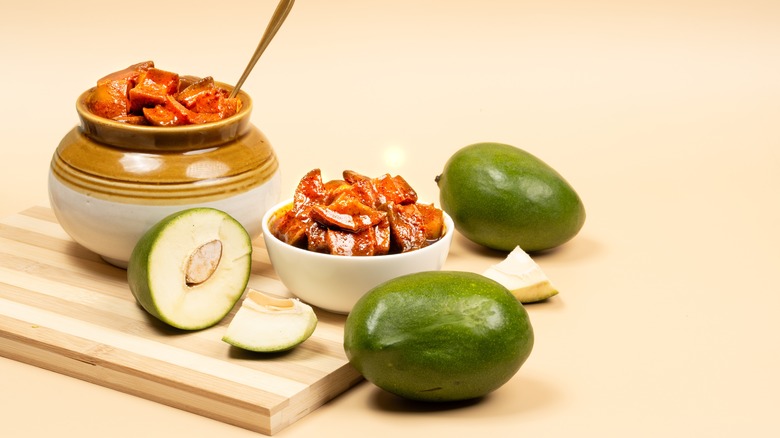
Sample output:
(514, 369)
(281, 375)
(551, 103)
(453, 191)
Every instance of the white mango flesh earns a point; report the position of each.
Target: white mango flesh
(519, 273)
(267, 324)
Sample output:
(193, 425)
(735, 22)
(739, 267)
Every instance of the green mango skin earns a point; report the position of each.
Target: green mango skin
(438, 336)
(500, 196)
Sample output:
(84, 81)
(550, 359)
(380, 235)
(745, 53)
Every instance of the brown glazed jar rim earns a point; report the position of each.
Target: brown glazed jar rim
(171, 138)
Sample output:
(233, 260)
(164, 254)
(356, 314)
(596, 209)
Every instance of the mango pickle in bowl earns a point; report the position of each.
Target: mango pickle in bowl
(334, 241)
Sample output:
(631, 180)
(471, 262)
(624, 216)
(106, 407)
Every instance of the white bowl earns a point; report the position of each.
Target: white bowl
(335, 283)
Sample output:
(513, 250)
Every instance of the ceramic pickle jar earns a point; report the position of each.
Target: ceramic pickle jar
(109, 181)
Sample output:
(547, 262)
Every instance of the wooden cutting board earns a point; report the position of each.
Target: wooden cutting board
(64, 309)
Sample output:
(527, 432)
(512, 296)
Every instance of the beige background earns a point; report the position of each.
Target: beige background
(662, 114)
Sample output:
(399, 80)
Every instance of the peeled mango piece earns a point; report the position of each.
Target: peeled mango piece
(268, 324)
(519, 273)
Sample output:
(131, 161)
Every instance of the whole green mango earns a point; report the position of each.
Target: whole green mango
(500, 196)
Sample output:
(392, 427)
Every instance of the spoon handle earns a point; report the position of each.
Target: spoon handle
(281, 12)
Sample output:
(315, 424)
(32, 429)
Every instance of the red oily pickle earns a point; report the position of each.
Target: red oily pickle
(144, 95)
(357, 216)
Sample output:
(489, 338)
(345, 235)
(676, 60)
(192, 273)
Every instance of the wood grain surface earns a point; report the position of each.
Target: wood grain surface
(64, 309)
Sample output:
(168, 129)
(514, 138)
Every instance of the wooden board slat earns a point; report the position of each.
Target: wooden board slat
(64, 309)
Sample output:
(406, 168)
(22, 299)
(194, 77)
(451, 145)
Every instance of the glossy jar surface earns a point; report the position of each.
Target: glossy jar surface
(109, 181)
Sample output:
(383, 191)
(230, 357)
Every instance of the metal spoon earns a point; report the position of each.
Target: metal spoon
(282, 9)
